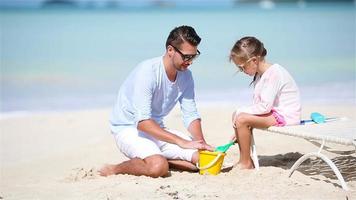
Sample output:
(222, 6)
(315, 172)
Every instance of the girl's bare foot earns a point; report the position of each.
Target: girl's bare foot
(240, 165)
(107, 170)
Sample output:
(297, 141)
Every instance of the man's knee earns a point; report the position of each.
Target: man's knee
(195, 157)
(157, 166)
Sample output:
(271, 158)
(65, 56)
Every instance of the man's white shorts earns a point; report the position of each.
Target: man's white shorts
(136, 144)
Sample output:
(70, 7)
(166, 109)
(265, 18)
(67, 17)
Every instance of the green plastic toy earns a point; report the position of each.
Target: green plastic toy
(224, 148)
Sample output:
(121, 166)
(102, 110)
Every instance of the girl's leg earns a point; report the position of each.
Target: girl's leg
(244, 138)
(236, 137)
(244, 124)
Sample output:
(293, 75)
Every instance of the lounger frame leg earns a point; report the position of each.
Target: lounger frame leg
(323, 157)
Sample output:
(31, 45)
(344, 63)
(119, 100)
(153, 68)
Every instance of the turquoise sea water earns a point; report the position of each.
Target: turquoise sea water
(56, 59)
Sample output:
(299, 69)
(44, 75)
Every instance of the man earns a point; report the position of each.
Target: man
(148, 94)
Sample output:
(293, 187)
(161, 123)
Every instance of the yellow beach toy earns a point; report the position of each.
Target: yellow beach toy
(210, 162)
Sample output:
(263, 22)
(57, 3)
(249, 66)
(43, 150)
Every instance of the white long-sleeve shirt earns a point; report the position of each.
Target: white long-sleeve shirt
(147, 93)
(277, 90)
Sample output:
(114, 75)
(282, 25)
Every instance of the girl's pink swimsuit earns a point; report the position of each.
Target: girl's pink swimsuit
(276, 91)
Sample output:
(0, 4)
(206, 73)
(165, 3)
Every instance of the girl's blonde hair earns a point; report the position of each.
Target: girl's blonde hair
(246, 48)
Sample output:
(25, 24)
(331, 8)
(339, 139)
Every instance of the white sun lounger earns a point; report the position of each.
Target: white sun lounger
(340, 132)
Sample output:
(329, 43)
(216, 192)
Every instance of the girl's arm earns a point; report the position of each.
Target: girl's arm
(265, 97)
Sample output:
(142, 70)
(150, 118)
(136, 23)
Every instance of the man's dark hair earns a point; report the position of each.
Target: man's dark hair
(183, 33)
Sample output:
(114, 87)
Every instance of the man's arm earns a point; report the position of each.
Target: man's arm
(191, 117)
(195, 129)
(150, 127)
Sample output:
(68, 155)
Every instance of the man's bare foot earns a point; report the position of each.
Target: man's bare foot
(107, 170)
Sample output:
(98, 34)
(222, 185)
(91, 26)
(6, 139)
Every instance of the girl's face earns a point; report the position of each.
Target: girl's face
(248, 66)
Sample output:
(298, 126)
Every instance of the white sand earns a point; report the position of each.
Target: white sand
(55, 156)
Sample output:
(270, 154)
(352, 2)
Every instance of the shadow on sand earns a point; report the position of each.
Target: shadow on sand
(311, 167)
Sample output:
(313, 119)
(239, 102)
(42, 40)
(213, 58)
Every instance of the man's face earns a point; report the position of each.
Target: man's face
(183, 56)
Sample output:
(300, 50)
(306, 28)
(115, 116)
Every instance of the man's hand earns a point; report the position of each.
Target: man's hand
(196, 131)
(208, 147)
(195, 144)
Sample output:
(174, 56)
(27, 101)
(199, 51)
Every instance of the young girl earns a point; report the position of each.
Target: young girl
(276, 100)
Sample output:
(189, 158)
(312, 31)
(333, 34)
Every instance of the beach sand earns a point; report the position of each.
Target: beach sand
(56, 155)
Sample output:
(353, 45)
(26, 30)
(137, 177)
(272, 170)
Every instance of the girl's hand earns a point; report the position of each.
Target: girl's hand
(233, 138)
